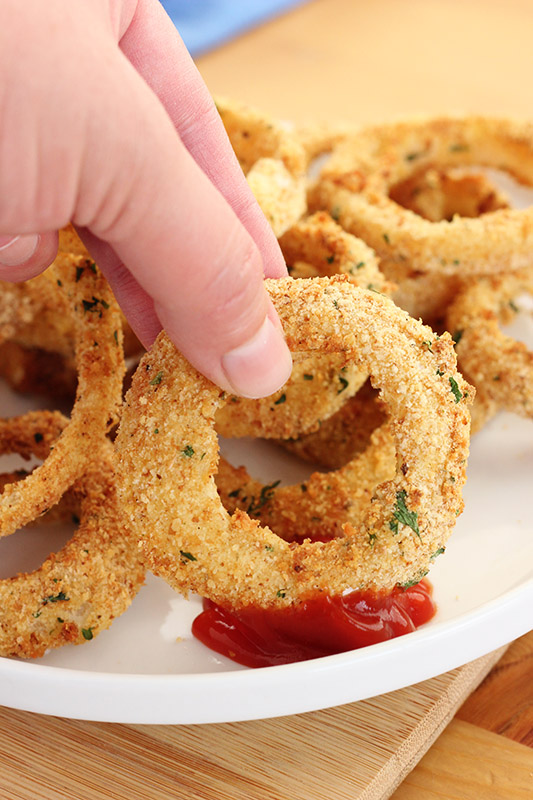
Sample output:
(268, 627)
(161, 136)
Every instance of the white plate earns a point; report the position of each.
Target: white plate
(149, 669)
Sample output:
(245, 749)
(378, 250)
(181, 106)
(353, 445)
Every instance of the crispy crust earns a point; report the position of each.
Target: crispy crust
(343, 436)
(80, 590)
(318, 508)
(360, 175)
(168, 456)
(272, 159)
(501, 366)
(320, 384)
(77, 288)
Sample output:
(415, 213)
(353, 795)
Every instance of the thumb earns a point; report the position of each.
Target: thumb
(186, 248)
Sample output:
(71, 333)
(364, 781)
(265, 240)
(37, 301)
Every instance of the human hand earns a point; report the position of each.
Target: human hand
(105, 122)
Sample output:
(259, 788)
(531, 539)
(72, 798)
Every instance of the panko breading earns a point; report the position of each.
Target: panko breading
(168, 457)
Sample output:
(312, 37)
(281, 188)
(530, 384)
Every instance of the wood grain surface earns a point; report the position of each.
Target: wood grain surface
(359, 751)
(332, 60)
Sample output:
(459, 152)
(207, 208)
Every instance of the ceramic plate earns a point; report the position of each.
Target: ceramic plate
(149, 669)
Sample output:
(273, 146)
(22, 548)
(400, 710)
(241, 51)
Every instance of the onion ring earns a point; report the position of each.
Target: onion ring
(77, 592)
(319, 508)
(168, 455)
(320, 384)
(100, 361)
(501, 366)
(344, 435)
(272, 159)
(360, 175)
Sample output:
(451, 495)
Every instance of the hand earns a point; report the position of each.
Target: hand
(105, 122)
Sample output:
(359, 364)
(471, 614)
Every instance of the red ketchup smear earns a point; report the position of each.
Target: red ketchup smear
(320, 626)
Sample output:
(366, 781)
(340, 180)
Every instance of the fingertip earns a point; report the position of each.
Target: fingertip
(260, 366)
(25, 256)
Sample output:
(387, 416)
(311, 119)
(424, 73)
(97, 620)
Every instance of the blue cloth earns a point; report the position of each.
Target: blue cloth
(204, 24)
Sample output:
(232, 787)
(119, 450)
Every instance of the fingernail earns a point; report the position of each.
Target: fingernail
(260, 366)
(16, 250)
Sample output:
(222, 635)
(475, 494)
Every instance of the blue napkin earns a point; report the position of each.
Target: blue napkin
(204, 24)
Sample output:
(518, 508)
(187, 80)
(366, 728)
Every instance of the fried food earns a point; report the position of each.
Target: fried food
(168, 457)
(272, 159)
(345, 434)
(361, 174)
(437, 194)
(320, 384)
(72, 288)
(77, 592)
(32, 370)
(501, 366)
(319, 508)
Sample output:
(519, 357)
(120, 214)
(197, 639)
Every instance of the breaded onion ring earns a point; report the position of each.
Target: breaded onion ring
(80, 290)
(320, 384)
(438, 194)
(272, 159)
(318, 508)
(343, 436)
(501, 366)
(80, 590)
(168, 456)
(361, 175)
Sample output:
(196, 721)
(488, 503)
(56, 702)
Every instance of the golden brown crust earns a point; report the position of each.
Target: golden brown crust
(168, 456)
(272, 159)
(320, 384)
(78, 591)
(499, 365)
(321, 506)
(75, 287)
(361, 173)
(343, 436)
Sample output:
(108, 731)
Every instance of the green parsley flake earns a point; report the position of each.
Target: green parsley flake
(267, 493)
(402, 515)
(55, 598)
(455, 389)
(156, 380)
(438, 552)
(457, 336)
(87, 633)
(308, 377)
(281, 399)
(414, 581)
(344, 384)
(188, 556)
(188, 451)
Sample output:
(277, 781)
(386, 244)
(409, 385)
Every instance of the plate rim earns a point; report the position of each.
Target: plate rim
(232, 695)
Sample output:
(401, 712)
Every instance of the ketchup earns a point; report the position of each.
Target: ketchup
(320, 626)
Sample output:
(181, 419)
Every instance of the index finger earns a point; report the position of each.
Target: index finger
(153, 46)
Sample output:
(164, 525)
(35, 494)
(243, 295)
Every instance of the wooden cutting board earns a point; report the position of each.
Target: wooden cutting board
(360, 751)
